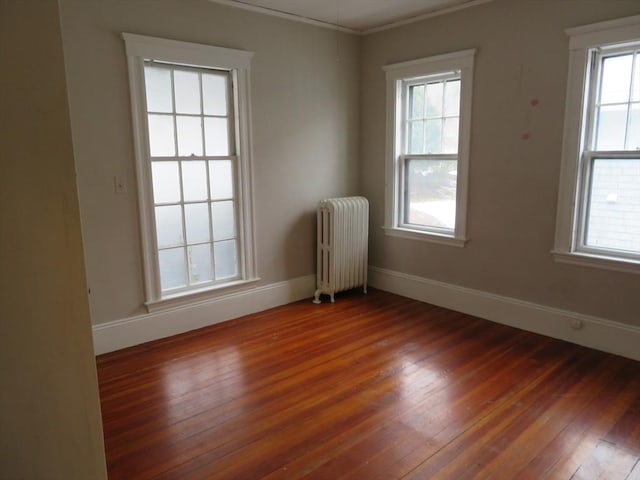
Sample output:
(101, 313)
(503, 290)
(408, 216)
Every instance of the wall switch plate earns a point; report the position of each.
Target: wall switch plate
(120, 184)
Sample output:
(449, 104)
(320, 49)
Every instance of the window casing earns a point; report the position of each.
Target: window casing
(598, 221)
(191, 130)
(428, 124)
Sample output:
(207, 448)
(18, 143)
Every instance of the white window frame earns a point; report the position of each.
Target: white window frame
(398, 76)
(138, 49)
(572, 195)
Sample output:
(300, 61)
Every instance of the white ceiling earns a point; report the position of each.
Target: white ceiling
(356, 16)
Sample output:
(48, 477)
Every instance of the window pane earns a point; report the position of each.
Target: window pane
(612, 124)
(633, 133)
(616, 79)
(161, 136)
(416, 136)
(216, 136)
(226, 259)
(614, 205)
(223, 220)
(196, 216)
(173, 269)
(158, 89)
(200, 266)
(166, 182)
(187, 88)
(214, 94)
(452, 99)
(416, 101)
(433, 136)
(194, 181)
(431, 193)
(169, 226)
(221, 178)
(189, 136)
(434, 99)
(450, 137)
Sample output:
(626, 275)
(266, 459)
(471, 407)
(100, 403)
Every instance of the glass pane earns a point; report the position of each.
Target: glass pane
(416, 101)
(433, 136)
(450, 135)
(194, 181)
(166, 182)
(226, 259)
(187, 88)
(161, 136)
(173, 268)
(636, 80)
(416, 136)
(614, 205)
(616, 79)
(196, 216)
(158, 88)
(200, 266)
(611, 126)
(434, 99)
(221, 178)
(169, 226)
(214, 94)
(452, 98)
(216, 136)
(431, 193)
(633, 133)
(223, 220)
(189, 136)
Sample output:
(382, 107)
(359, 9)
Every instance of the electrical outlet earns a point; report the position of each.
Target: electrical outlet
(576, 324)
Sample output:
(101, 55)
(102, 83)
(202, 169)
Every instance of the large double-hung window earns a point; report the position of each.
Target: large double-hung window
(428, 108)
(599, 204)
(190, 105)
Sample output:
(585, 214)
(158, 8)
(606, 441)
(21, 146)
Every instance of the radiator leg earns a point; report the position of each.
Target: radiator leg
(364, 288)
(316, 297)
(332, 299)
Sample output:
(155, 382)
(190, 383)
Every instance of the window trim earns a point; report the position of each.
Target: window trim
(397, 75)
(568, 240)
(138, 48)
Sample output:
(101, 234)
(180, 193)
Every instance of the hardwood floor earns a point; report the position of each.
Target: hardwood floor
(374, 386)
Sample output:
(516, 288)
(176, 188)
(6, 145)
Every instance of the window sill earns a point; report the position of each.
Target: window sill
(199, 296)
(597, 261)
(425, 236)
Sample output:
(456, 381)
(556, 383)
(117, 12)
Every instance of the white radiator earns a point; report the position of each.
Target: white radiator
(343, 238)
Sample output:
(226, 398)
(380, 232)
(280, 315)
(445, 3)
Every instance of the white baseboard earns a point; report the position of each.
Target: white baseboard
(598, 333)
(118, 334)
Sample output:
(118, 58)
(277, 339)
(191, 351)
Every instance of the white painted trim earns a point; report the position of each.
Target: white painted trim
(334, 26)
(425, 16)
(598, 333)
(574, 167)
(396, 74)
(286, 15)
(425, 236)
(126, 332)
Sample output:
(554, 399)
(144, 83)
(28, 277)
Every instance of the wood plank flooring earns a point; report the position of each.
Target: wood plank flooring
(374, 386)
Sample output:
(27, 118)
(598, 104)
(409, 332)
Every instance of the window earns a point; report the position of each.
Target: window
(429, 110)
(190, 107)
(599, 204)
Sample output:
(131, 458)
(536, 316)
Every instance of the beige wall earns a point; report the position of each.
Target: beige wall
(49, 411)
(305, 130)
(522, 55)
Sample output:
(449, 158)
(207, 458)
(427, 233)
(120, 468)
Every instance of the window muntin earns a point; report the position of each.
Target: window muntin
(609, 210)
(192, 138)
(429, 108)
(431, 120)
(190, 125)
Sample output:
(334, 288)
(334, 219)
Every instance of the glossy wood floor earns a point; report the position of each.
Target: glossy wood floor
(372, 387)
